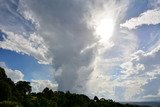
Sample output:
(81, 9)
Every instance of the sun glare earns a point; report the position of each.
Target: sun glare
(104, 29)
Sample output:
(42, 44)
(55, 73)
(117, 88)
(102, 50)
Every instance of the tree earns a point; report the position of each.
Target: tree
(5, 91)
(23, 87)
(47, 92)
(2, 73)
(96, 98)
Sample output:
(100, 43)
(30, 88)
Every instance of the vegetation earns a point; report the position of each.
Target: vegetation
(19, 95)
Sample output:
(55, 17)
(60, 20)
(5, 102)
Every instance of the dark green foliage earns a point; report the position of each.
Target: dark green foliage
(23, 87)
(96, 98)
(47, 93)
(2, 73)
(19, 95)
(10, 104)
(5, 91)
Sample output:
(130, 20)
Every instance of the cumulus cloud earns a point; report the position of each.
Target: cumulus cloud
(39, 85)
(150, 17)
(15, 75)
(140, 71)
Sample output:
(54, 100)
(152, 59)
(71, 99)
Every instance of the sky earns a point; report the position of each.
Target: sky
(107, 48)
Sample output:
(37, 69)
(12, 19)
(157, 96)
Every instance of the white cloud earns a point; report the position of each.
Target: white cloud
(141, 68)
(39, 85)
(150, 17)
(23, 9)
(130, 68)
(11, 20)
(32, 45)
(15, 75)
(18, 32)
(106, 66)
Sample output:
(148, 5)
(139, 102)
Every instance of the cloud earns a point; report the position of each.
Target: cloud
(65, 32)
(32, 45)
(153, 96)
(18, 32)
(11, 20)
(154, 4)
(150, 17)
(141, 70)
(39, 85)
(15, 75)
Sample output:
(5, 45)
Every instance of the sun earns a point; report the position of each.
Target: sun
(104, 29)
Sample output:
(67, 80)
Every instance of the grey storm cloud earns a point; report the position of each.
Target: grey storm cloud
(60, 33)
(63, 28)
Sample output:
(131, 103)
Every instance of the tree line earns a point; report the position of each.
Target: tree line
(20, 95)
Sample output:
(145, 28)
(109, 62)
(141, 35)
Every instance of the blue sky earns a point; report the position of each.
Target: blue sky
(106, 48)
(24, 63)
